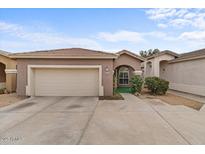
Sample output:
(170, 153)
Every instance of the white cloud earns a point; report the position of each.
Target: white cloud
(180, 12)
(156, 14)
(46, 39)
(178, 17)
(197, 36)
(199, 22)
(159, 14)
(179, 22)
(6, 27)
(162, 25)
(132, 37)
(190, 15)
(127, 36)
(190, 21)
(157, 34)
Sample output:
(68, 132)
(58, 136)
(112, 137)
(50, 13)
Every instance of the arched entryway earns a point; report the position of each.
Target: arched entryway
(2, 76)
(122, 76)
(163, 66)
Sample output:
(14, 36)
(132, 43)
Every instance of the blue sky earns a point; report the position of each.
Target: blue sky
(180, 30)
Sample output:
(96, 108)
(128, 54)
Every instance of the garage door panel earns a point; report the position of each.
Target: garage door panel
(66, 82)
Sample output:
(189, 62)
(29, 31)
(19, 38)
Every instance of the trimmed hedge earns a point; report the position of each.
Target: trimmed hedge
(137, 83)
(156, 85)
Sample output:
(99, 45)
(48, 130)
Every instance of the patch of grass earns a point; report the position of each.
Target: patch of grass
(123, 90)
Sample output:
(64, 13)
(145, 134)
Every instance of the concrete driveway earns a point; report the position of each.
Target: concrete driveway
(46, 120)
(85, 120)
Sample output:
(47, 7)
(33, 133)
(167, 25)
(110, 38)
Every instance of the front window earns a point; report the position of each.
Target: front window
(124, 76)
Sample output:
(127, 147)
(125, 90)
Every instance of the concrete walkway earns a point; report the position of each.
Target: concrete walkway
(86, 120)
(187, 122)
(129, 121)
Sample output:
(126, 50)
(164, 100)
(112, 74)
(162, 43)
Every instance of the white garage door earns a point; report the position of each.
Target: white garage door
(66, 82)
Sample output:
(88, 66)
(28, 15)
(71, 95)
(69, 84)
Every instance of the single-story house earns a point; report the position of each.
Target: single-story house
(185, 72)
(74, 72)
(84, 72)
(7, 72)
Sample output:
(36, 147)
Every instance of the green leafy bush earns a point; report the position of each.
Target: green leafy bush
(156, 85)
(137, 83)
(2, 91)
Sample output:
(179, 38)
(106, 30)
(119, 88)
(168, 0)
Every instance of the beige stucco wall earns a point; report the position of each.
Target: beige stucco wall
(128, 60)
(186, 76)
(163, 68)
(10, 63)
(148, 69)
(107, 77)
(155, 69)
(10, 78)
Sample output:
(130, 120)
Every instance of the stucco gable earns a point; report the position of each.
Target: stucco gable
(165, 52)
(130, 54)
(128, 60)
(4, 53)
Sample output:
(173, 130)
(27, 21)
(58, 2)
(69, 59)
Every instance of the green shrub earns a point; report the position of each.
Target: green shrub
(156, 85)
(137, 83)
(2, 91)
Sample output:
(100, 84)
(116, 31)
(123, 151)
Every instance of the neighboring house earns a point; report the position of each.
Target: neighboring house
(185, 72)
(152, 63)
(7, 72)
(74, 72)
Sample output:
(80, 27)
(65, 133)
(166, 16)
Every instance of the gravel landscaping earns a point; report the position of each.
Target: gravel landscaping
(173, 99)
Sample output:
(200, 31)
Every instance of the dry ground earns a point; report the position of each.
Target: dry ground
(173, 99)
(7, 99)
(116, 96)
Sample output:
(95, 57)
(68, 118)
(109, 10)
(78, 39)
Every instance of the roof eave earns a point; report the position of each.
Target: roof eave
(61, 57)
(5, 55)
(186, 59)
(163, 53)
(135, 56)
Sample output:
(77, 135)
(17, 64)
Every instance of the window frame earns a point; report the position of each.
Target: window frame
(123, 77)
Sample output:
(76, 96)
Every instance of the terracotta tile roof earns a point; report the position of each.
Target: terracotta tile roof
(190, 55)
(68, 52)
(130, 53)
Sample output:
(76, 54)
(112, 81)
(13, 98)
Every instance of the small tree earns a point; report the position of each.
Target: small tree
(143, 53)
(137, 83)
(149, 52)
